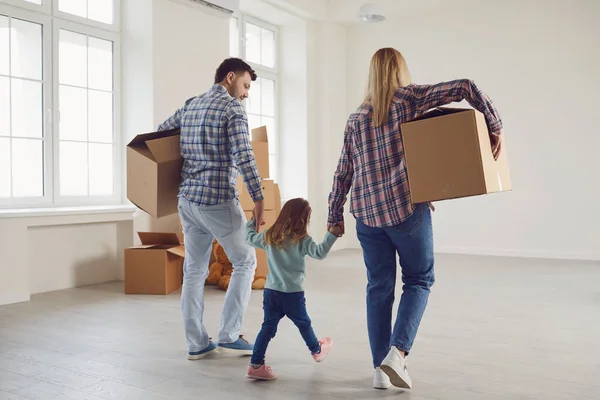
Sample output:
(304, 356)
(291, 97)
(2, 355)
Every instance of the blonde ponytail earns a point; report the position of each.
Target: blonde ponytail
(388, 72)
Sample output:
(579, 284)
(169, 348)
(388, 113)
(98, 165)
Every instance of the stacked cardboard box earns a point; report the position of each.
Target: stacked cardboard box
(448, 156)
(153, 176)
(271, 193)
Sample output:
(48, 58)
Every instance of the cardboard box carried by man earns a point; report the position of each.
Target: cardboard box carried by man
(154, 172)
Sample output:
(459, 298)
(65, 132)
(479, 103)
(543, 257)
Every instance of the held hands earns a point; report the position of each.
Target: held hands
(337, 230)
(258, 214)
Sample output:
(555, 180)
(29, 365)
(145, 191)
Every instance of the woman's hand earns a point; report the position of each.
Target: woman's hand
(496, 141)
(337, 230)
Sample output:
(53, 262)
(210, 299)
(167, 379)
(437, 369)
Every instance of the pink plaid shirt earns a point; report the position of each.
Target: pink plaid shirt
(372, 159)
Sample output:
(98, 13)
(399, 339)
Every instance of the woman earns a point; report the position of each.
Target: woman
(387, 222)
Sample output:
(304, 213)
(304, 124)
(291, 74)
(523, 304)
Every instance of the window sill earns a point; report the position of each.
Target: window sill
(124, 210)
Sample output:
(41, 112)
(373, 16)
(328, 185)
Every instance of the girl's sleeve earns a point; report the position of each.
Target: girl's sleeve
(318, 251)
(254, 238)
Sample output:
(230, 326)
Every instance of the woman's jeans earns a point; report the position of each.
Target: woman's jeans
(412, 241)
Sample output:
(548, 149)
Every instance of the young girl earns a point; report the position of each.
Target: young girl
(287, 244)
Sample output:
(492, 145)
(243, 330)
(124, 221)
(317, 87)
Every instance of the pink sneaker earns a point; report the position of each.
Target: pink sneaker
(326, 345)
(262, 373)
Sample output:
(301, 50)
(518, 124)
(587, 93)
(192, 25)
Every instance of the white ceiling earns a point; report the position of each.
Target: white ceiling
(280, 12)
(266, 11)
(346, 10)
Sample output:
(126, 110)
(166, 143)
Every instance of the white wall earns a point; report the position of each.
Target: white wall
(171, 49)
(189, 43)
(81, 254)
(330, 112)
(539, 62)
(313, 113)
(45, 250)
(293, 110)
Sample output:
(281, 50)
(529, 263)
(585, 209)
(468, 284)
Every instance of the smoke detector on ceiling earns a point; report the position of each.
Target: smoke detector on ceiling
(370, 13)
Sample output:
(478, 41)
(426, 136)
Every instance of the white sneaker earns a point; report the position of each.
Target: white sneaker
(394, 365)
(381, 380)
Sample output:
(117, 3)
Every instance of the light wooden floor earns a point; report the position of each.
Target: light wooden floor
(495, 329)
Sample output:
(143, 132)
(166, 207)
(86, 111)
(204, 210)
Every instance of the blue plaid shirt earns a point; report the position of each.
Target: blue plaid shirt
(215, 147)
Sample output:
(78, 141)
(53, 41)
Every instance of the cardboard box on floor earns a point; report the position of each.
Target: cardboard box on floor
(156, 266)
(448, 155)
(154, 172)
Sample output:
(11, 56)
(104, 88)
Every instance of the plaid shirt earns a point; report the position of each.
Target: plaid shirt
(215, 145)
(372, 159)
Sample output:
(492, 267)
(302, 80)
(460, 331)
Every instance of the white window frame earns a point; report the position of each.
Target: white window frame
(52, 21)
(44, 8)
(27, 15)
(117, 151)
(261, 70)
(115, 26)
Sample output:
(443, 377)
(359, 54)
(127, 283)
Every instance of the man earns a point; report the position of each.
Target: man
(215, 144)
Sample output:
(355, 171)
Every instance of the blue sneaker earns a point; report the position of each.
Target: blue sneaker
(240, 346)
(196, 355)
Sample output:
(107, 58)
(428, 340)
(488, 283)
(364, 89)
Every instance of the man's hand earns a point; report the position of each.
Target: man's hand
(258, 214)
(496, 145)
(337, 230)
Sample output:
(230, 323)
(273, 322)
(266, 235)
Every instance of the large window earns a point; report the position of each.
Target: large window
(59, 102)
(256, 42)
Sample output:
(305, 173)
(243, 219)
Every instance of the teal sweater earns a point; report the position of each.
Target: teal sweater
(287, 268)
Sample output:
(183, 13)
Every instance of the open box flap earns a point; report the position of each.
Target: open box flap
(178, 251)
(142, 138)
(164, 149)
(260, 134)
(142, 247)
(159, 238)
(440, 111)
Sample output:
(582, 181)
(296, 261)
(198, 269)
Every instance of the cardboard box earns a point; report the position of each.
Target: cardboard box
(270, 193)
(262, 266)
(448, 155)
(277, 199)
(260, 146)
(156, 266)
(179, 230)
(154, 172)
(154, 169)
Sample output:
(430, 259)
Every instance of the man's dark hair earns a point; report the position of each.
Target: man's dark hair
(235, 65)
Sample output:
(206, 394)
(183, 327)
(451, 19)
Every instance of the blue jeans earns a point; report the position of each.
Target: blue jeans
(277, 305)
(412, 241)
(227, 223)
